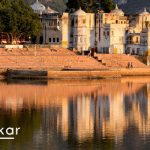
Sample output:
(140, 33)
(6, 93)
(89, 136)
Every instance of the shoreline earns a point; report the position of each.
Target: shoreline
(102, 74)
(73, 75)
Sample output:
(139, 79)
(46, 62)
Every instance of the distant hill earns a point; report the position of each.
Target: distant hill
(58, 5)
(133, 6)
(128, 6)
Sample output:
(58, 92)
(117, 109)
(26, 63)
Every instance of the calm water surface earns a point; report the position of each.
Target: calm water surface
(66, 115)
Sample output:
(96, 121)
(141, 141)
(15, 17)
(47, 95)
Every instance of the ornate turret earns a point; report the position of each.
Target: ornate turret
(144, 12)
(117, 11)
(38, 7)
(80, 12)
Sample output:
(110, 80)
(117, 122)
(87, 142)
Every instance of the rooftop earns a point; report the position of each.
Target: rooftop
(117, 11)
(79, 12)
(38, 7)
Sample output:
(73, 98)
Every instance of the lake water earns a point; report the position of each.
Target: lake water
(68, 115)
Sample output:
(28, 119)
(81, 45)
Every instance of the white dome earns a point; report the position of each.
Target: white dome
(80, 12)
(38, 7)
(50, 11)
(117, 11)
(144, 12)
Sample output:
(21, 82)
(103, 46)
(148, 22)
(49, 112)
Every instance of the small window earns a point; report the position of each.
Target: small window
(57, 40)
(107, 33)
(84, 21)
(50, 40)
(72, 23)
(54, 40)
(137, 39)
(76, 21)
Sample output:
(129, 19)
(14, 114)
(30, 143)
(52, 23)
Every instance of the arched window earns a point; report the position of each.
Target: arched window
(107, 33)
(137, 39)
(72, 23)
(84, 21)
(76, 21)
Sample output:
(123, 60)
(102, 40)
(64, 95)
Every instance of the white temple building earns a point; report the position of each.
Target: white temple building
(138, 34)
(101, 32)
(111, 31)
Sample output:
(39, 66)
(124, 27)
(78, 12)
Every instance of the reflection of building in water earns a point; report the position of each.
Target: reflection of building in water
(111, 115)
(116, 123)
(144, 109)
(85, 118)
(106, 109)
(106, 115)
(13, 103)
(73, 115)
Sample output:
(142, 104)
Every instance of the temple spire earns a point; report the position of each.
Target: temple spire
(145, 10)
(116, 6)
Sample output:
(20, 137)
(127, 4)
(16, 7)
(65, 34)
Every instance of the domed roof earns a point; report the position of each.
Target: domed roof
(38, 7)
(144, 12)
(50, 11)
(80, 12)
(117, 11)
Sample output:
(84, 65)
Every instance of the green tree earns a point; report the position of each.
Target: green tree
(87, 5)
(91, 5)
(18, 20)
(107, 5)
(84, 4)
(73, 4)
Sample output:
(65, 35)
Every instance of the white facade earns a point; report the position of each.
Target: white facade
(82, 30)
(111, 32)
(104, 32)
(145, 40)
(65, 38)
(138, 34)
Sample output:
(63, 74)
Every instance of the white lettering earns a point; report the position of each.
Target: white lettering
(17, 129)
(10, 131)
(1, 131)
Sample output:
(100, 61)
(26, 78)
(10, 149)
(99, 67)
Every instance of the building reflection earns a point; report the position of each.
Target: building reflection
(84, 110)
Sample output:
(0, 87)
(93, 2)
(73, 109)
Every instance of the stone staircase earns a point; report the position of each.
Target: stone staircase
(118, 60)
(46, 58)
(60, 59)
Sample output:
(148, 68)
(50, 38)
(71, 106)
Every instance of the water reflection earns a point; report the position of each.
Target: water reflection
(101, 114)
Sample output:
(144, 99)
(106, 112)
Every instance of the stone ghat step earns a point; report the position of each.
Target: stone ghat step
(49, 62)
(37, 51)
(119, 60)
